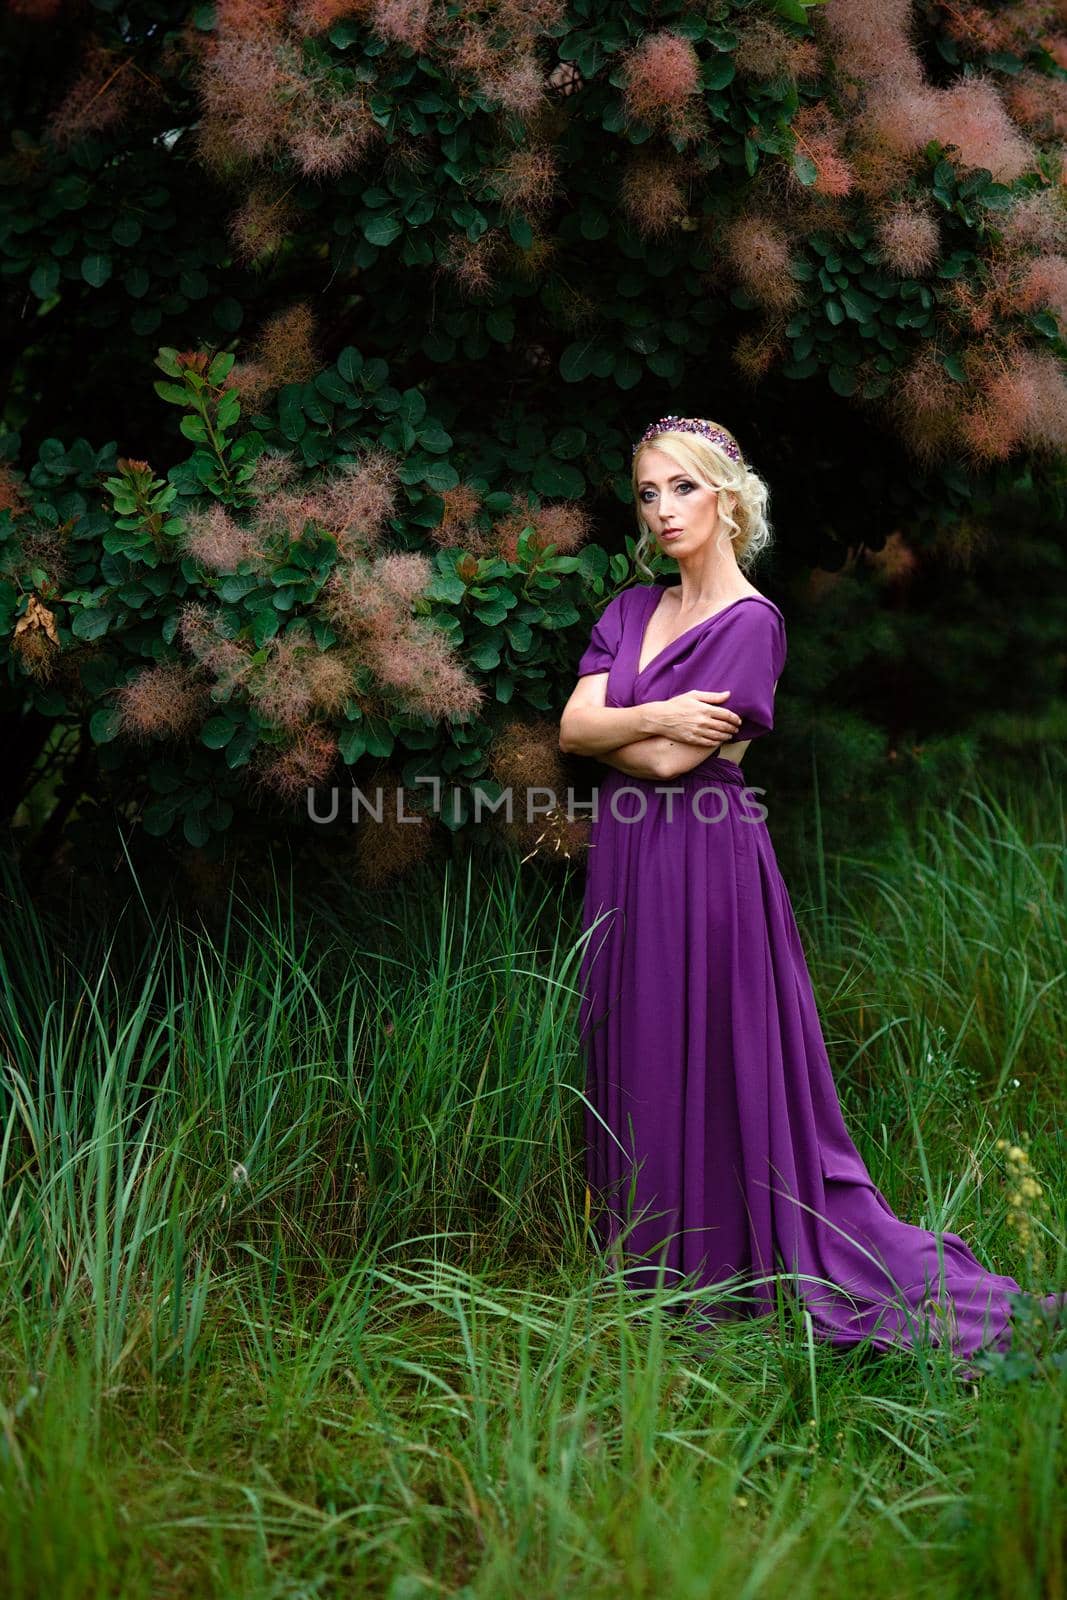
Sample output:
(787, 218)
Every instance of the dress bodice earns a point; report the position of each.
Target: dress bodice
(741, 648)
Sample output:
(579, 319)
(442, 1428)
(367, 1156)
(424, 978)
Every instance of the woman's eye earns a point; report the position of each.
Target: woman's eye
(684, 484)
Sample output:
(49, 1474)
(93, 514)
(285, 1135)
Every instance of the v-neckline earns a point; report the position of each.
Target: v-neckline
(641, 670)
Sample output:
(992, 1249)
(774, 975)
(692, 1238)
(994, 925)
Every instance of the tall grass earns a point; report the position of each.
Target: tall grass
(298, 1296)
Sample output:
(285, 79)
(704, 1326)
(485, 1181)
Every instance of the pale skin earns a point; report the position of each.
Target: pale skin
(665, 738)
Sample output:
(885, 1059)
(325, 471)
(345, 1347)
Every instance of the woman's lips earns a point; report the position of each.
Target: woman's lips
(675, 533)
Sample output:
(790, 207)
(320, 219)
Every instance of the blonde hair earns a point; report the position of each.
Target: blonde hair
(746, 523)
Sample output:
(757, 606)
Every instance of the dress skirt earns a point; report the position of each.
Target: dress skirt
(714, 1135)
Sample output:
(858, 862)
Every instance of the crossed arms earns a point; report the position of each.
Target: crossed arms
(660, 739)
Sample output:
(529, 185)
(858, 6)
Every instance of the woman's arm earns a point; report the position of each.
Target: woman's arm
(623, 737)
(642, 758)
(588, 727)
(675, 757)
(658, 739)
(660, 757)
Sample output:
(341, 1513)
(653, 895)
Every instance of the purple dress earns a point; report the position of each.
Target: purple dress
(714, 1132)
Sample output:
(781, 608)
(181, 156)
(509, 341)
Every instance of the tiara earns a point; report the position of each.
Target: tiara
(691, 425)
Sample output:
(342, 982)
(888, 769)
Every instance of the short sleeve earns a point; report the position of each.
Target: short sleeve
(605, 639)
(746, 655)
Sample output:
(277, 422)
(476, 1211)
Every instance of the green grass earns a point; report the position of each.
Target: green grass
(298, 1296)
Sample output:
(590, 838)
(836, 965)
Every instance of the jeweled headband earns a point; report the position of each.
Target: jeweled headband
(690, 425)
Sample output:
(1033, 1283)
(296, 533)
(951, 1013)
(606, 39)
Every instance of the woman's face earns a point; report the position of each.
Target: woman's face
(682, 514)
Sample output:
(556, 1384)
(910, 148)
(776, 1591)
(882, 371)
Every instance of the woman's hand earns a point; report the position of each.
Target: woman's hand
(696, 717)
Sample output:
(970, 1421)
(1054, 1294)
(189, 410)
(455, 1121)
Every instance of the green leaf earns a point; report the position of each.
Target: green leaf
(954, 264)
(805, 168)
(380, 739)
(90, 624)
(265, 624)
(126, 230)
(381, 230)
(628, 369)
(195, 828)
(520, 636)
(486, 655)
(174, 394)
(434, 438)
(557, 479)
(351, 745)
(667, 364)
(331, 386)
(241, 745)
(105, 724)
(157, 818)
(500, 324)
(491, 614)
(440, 475)
(454, 808)
(72, 191)
(44, 279)
(558, 613)
(217, 732)
(842, 380)
(568, 442)
(720, 72)
(593, 561)
(613, 118)
(350, 364)
(1045, 323)
(234, 587)
(998, 196)
(419, 210)
(220, 814)
(342, 34)
(229, 409)
(193, 428)
(576, 361)
(447, 587)
(291, 417)
(220, 367)
(96, 268)
(437, 346)
(859, 306)
(945, 177)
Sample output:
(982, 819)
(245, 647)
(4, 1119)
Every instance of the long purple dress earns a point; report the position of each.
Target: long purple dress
(714, 1132)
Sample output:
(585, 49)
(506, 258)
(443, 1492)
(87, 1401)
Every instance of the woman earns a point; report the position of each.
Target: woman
(715, 1141)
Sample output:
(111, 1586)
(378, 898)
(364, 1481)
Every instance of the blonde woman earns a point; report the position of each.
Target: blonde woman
(715, 1141)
